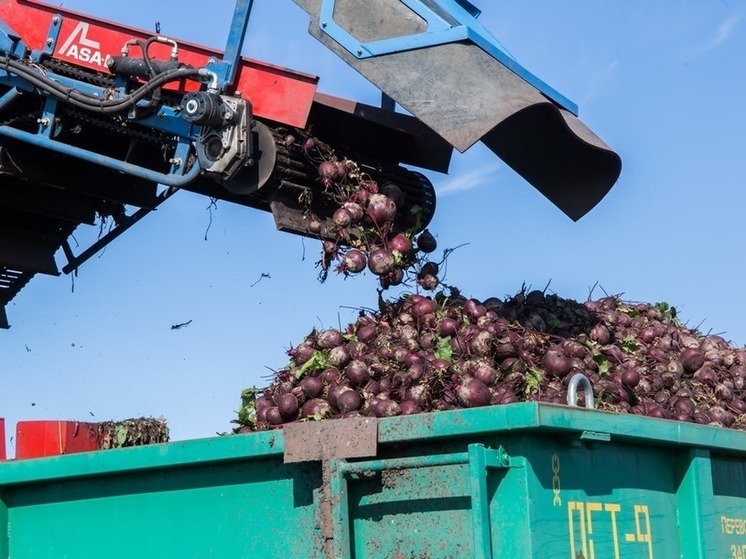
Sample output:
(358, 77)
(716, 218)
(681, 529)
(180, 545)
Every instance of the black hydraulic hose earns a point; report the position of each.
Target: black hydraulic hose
(155, 98)
(92, 103)
(146, 58)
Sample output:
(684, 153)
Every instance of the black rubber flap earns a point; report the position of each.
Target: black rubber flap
(556, 153)
(465, 95)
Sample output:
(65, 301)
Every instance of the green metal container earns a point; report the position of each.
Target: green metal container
(522, 480)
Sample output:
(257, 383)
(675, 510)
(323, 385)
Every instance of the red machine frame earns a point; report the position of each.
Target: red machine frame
(276, 93)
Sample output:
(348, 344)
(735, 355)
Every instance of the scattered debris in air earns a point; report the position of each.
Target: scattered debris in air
(181, 325)
(263, 276)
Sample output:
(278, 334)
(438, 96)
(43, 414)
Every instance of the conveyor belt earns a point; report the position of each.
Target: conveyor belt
(45, 196)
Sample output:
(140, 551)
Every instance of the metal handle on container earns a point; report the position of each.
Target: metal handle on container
(572, 391)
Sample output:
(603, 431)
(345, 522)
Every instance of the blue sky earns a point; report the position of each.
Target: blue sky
(661, 82)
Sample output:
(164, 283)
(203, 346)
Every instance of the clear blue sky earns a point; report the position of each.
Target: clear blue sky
(662, 82)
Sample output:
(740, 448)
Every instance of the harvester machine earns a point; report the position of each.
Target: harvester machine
(102, 121)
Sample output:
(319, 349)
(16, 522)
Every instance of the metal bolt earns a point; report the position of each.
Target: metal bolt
(176, 162)
(323, 24)
(50, 42)
(359, 52)
(228, 116)
(55, 20)
(191, 106)
(44, 122)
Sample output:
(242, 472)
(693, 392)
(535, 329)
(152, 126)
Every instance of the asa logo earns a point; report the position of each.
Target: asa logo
(83, 49)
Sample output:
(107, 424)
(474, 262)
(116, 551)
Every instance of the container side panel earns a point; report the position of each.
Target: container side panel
(426, 512)
(606, 500)
(565, 484)
(695, 503)
(231, 510)
(423, 512)
(727, 527)
(4, 553)
(510, 507)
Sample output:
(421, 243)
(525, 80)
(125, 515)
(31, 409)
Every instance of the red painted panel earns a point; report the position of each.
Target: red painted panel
(35, 439)
(276, 93)
(2, 439)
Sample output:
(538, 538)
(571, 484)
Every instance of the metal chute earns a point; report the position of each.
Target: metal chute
(438, 62)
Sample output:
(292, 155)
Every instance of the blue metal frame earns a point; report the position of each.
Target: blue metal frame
(41, 140)
(227, 68)
(448, 21)
(52, 35)
(10, 42)
(167, 119)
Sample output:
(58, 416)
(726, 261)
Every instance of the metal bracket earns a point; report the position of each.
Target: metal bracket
(447, 21)
(356, 437)
(440, 31)
(54, 32)
(228, 67)
(595, 436)
(11, 43)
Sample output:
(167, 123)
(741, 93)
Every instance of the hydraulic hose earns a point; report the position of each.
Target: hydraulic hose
(97, 104)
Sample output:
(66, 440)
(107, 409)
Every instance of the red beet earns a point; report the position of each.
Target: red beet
(447, 327)
(386, 408)
(426, 242)
(357, 372)
(367, 333)
(329, 339)
(428, 282)
(424, 307)
(556, 363)
(355, 210)
(354, 261)
(316, 407)
(381, 209)
(287, 405)
(273, 416)
(312, 386)
(342, 218)
(631, 377)
(473, 393)
(401, 244)
(409, 407)
(380, 261)
(394, 192)
(600, 334)
(348, 401)
(692, 359)
(392, 278)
